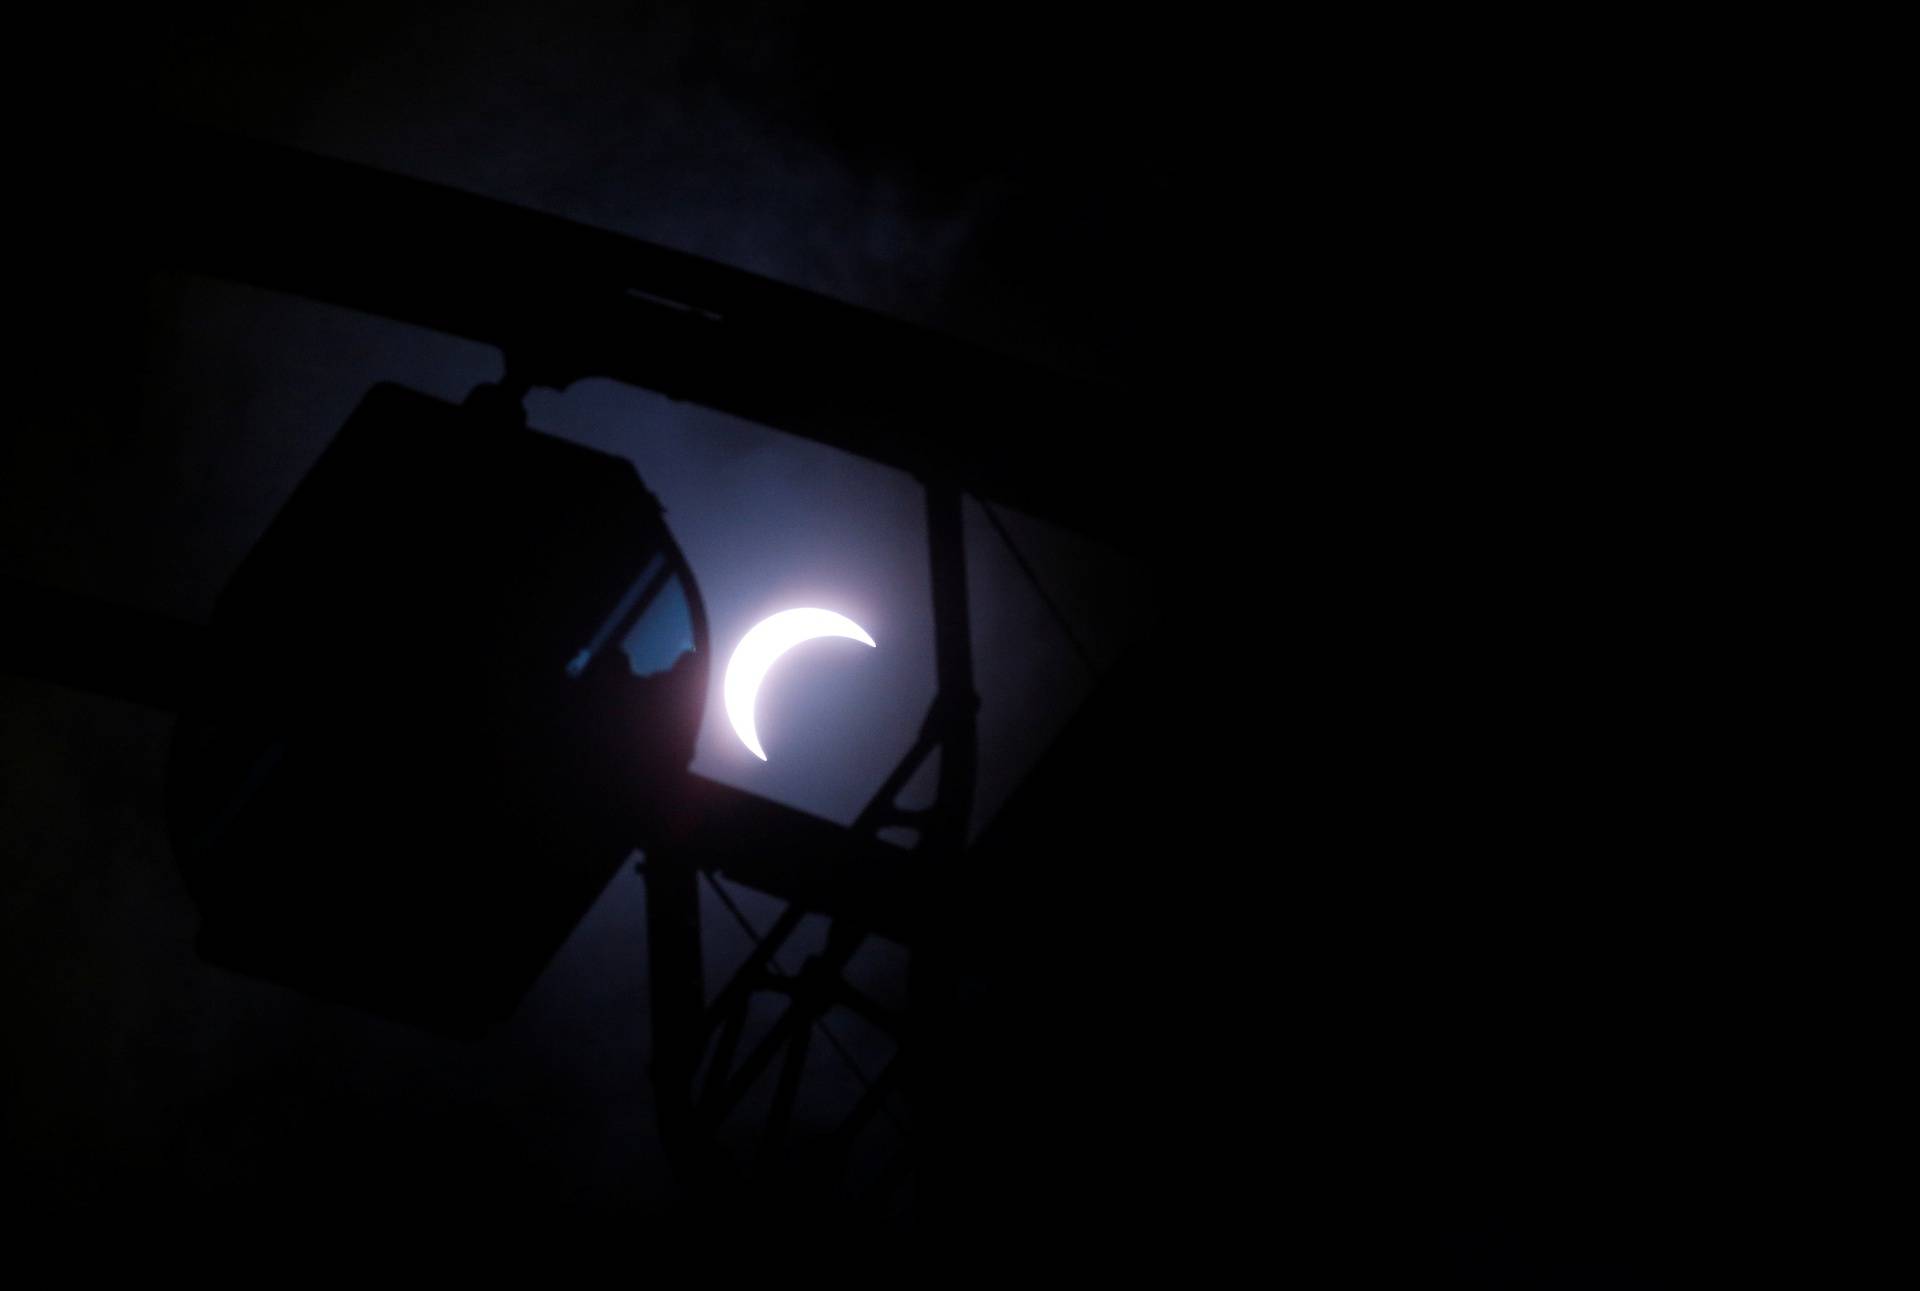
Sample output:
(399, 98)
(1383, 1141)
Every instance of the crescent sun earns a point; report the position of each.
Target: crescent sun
(761, 647)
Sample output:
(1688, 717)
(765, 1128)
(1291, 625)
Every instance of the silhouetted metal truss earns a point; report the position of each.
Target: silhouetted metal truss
(701, 1073)
(565, 302)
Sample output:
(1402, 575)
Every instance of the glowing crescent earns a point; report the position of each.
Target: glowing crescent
(757, 651)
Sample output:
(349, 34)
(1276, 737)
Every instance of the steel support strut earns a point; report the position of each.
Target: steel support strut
(819, 986)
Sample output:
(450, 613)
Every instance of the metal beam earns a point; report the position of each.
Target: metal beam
(566, 301)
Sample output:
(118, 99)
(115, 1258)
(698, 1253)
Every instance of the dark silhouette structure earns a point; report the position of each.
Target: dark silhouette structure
(429, 710)
(1374, 902)
(459, 678)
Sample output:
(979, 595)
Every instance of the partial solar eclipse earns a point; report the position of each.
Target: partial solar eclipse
(761, 647)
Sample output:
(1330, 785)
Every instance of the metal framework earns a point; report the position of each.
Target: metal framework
(701, 1075)
(564, 302)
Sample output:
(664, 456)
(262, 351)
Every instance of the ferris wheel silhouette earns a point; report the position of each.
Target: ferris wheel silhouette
(388, 792)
